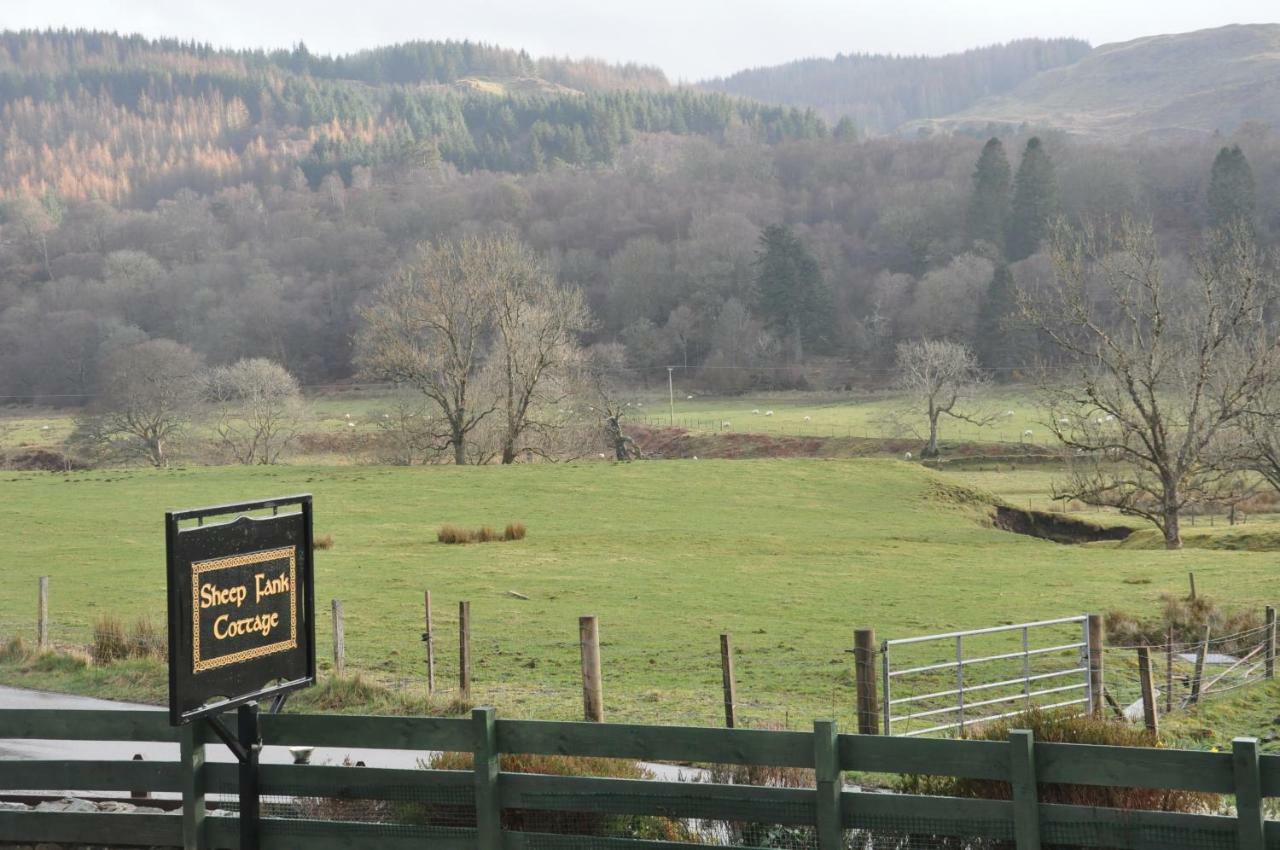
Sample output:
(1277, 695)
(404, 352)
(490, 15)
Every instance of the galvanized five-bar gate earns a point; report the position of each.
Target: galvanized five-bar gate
(1044, 671)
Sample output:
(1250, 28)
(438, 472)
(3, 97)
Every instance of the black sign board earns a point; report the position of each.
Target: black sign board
(241, 605)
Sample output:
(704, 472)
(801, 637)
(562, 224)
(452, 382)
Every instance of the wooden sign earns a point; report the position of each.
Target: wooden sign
(241, 605)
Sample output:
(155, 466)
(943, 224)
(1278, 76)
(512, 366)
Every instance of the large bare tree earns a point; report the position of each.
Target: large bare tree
(537, 322)
(940, 378)
(258, 408)
(145, 399)
(1160, 364)
(430, 326)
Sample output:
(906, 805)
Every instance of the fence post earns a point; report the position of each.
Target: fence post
(486, 763)
(1149, 717)
(339, 641)
(864, 656)
(1201, 652)
(464, 650)
(1248, 782)
(429, 638)
(191, 770)
(829, 784)
(1271, 642)
(1026, 801)
(1168, 675)
(730, 686)
(592, 696)
(1097, 645)
(42, 615)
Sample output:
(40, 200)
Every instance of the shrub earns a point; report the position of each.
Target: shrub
(324, 541)
(147, 641)
(484, 534)
(558, 822)
(513, 531)
(1063, 727)
(15, 651)
(762, 834)
(1188, 617)
(110, 642)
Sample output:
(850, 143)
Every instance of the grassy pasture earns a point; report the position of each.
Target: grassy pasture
(789, 555)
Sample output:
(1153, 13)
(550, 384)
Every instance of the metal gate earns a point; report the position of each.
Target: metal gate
(1044, 672)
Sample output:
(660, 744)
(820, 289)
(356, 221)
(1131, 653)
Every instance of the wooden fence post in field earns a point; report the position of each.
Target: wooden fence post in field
(864, 658)
(487, 764)
(42, 615)
(1149, 717)
(1097, 645)
(1168, 675)
(1270, 637)
(592, 696)
(1250, 815)
(730, 686)
(1201, 653)
(464, 650)
(429, 638)
(1192, 578)
(339, 641)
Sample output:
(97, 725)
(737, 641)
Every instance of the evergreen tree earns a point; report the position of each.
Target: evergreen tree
(845, 130)
(1232, 197)
(1035, 201)
(989, 205)
(1002, 340)
(793, 295)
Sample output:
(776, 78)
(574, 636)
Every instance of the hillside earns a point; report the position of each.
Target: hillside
(130, 121)
(879, 93)
(1189, 84)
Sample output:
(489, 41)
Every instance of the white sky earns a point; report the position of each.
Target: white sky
(689, 39)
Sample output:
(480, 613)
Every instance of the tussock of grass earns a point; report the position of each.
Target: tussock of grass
(359, 695)
(453, 534)
(112, 643)
(1188, 619)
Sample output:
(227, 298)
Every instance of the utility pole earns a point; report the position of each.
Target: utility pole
(671, 396)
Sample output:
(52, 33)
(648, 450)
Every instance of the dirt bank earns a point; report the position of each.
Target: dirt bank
(1056, 527)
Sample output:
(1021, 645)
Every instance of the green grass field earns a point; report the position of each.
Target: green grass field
(789, 555)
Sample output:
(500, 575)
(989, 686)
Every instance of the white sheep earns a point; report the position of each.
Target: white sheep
(1008, 413)
(768, 413)
(907, 456)
(689, 397)
(1028, 433)
(695, 457)
(348, 415)
(351, 424)
(602, 455)
(1064, 421)
(756, 411)
(1110, 418)
(806, 419)
(726, 424)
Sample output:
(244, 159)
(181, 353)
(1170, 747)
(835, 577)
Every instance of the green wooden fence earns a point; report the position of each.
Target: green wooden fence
(833, 816)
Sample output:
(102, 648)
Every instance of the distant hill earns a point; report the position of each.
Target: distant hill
(1160, 86)
(130, 120)
(879, 93)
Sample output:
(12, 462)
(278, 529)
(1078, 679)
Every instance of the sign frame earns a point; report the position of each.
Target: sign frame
(296, 654)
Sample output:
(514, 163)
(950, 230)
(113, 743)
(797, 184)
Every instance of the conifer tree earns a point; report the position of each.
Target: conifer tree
(989, 205)
(1232, 199)
(1002, 340)
(1035, 202)
(793, 295)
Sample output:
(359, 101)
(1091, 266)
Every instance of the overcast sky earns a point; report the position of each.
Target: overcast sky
(689, 39)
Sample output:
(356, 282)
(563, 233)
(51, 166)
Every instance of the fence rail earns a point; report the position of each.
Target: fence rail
(472, 809)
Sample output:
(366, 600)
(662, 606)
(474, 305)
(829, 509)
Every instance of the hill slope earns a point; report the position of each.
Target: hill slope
(129, 120)
(1164, 85)
(881, 92)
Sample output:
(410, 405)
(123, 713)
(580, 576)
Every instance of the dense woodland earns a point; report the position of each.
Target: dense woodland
(247, 205)
(879, 93)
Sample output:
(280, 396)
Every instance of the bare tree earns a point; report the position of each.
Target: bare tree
(1160, 366)
(604, 401)
(940, 378)
(145, 398)
(537, 323)
(429, 328)
(258, 409)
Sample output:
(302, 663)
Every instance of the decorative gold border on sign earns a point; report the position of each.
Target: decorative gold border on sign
(200, 567)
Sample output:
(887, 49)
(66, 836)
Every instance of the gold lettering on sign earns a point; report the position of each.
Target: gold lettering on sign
(228, 621)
